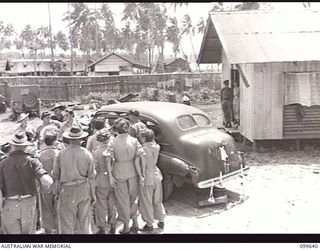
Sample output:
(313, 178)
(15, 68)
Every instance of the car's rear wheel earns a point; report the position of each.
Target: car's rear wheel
(168, 186)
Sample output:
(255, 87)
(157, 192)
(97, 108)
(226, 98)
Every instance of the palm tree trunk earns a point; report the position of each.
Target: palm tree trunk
(71, 44)
(194, 53)
(50, 33)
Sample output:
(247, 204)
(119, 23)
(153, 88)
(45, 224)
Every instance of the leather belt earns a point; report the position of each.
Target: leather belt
(75, 182)
(19, 197)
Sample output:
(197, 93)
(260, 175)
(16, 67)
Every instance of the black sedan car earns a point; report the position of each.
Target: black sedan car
(192, 149)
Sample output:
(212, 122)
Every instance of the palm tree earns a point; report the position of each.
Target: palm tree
(188, 29)
(248, 6)
(83, 26)
(148, 22)
(50, 33)
(201, 25)
(176, 5)
(110, 37)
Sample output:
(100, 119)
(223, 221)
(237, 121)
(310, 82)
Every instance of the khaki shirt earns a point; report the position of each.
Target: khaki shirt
(47, 156)
(73, 163)
(152, 172)
(92, 142)
(123, 150)
(102, 179)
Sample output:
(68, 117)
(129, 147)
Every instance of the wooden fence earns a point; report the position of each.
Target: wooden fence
(64, 88)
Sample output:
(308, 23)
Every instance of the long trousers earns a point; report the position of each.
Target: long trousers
(48, 209)
(227, 110)
(74, 209)
(150, 203)
(19, 216)
(126, 194)
(105, 206)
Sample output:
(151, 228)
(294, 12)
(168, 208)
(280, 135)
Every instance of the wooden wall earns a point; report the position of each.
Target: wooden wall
(110, 61)
(247, 107)
(262, 104)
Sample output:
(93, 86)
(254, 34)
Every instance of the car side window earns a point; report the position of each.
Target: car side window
(201, 120)
(186, 122)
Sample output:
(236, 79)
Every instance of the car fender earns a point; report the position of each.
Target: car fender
(170, 164)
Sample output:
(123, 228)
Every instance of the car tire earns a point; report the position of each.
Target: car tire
(168, 186)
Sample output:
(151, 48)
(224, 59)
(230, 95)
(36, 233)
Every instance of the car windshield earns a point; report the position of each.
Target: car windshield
(191, 121)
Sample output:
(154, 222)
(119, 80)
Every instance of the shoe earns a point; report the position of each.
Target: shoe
(112, 229)
(161, 224)
(101, 230)
(127, 231)
(147, 228)
(134, 230)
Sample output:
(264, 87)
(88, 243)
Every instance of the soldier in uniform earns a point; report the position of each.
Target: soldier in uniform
(98, 124)
(123, 157)
(18, 174)
(104, 191)
(150, 193)
(57, 110)
(69, 122)
(47, 157)
(74, 174)
(24, 126)
(46, 118)
(226, 97)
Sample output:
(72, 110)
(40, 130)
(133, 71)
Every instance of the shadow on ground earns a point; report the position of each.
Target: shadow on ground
(184, 202)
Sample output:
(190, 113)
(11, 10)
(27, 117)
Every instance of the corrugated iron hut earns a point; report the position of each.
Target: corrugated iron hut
(275, 56)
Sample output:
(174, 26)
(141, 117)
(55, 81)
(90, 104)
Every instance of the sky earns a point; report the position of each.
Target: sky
(36, 14)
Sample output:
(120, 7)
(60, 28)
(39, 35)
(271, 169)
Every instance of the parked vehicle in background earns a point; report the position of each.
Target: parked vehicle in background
(25, 99)
(192, 149)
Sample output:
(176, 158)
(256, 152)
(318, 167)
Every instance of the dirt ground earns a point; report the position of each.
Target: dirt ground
(280, 193)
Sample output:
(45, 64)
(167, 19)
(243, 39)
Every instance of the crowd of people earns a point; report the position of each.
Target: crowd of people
(51, 180)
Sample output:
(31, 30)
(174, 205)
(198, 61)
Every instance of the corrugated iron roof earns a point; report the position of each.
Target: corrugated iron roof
(134, 63)
(42, 65)
(264, 36)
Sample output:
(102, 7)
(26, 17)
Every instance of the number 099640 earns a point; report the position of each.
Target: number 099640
(308, 245)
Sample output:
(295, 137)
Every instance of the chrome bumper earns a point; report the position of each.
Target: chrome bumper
(209, 183)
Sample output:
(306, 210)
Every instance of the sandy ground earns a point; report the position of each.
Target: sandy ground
(280, 194)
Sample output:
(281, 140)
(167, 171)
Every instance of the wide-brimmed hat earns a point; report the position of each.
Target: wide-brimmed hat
(22, 116)
(75, 133)
(20, 139)
(59, 106)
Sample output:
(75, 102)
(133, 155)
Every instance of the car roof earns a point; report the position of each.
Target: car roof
(162, 110)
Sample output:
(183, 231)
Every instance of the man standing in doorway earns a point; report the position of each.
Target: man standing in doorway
(226, 103)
